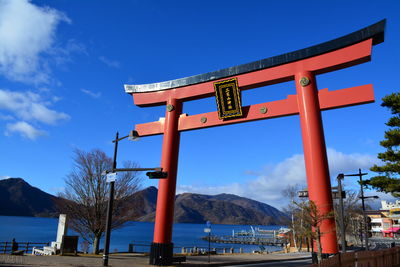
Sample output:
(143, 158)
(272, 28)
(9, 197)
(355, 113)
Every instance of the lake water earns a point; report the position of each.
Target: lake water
(32, 229)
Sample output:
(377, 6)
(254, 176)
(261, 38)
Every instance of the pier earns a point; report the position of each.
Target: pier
(247, 240)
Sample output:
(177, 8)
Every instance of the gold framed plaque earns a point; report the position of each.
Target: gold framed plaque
(228, 99)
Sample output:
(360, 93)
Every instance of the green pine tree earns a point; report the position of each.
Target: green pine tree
(389, 173)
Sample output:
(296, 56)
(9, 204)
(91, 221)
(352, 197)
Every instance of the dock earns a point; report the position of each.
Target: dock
(247, 240)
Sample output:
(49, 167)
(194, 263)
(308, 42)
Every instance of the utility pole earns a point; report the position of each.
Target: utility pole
(360, 175)
(363, 208)
(342, 230)
(110, 207)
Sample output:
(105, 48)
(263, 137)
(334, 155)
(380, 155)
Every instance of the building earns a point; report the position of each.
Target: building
(377, 221)
(386, 221)
(390, 205)
(393, 223)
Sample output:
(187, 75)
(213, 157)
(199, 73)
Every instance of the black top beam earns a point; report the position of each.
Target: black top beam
(374, 31)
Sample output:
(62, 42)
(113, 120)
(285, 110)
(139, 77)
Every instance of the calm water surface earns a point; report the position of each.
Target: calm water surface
(31, 229)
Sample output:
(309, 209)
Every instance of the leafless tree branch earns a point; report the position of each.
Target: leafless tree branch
(87, 192)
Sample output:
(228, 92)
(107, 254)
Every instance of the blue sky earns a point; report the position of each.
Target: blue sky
(63, 65)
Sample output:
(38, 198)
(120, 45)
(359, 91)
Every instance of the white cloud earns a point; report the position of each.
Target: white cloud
(2, 177)
(109, 62)
(24, 129)
(4, 117)
(63, 54)
(268, 185)
(91, 94)
(26, 33)
(345, 163)
(29, 106)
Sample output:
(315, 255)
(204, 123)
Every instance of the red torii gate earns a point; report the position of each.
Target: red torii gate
(301, 66)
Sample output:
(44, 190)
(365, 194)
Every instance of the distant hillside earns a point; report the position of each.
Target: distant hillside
(219, 209)
(18, 198)
(145, 202)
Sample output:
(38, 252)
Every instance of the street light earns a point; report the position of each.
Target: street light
(360, 174)
(370, 197)
(133, 136)
(110, 203)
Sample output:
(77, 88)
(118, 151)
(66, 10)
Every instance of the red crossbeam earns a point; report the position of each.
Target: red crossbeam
(328, 100)
(338, 59)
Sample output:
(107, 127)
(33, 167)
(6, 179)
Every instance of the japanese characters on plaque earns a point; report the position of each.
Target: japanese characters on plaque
(227, 94)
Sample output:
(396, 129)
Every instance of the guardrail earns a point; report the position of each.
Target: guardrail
(5, 247)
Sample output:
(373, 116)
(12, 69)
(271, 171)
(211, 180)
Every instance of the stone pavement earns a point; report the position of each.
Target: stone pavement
(139, 260)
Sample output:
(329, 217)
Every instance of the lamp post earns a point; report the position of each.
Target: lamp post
(110, 206)
(133, 136)
(158, 174)
(360, 175)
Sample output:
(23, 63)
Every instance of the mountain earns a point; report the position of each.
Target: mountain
(218, 209)
(18, 198)
(144, 203)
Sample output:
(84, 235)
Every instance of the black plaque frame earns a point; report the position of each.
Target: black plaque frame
(227, 95)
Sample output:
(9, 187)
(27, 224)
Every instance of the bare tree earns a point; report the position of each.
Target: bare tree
(86, 195)
(290, 192)
(313, 219)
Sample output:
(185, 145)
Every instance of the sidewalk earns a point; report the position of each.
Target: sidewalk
(139, 260)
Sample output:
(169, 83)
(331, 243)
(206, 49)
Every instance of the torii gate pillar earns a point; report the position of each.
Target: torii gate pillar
(317, 169)
(162, 247)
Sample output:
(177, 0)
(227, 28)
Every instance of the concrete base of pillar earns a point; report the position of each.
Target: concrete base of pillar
(161, 254)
